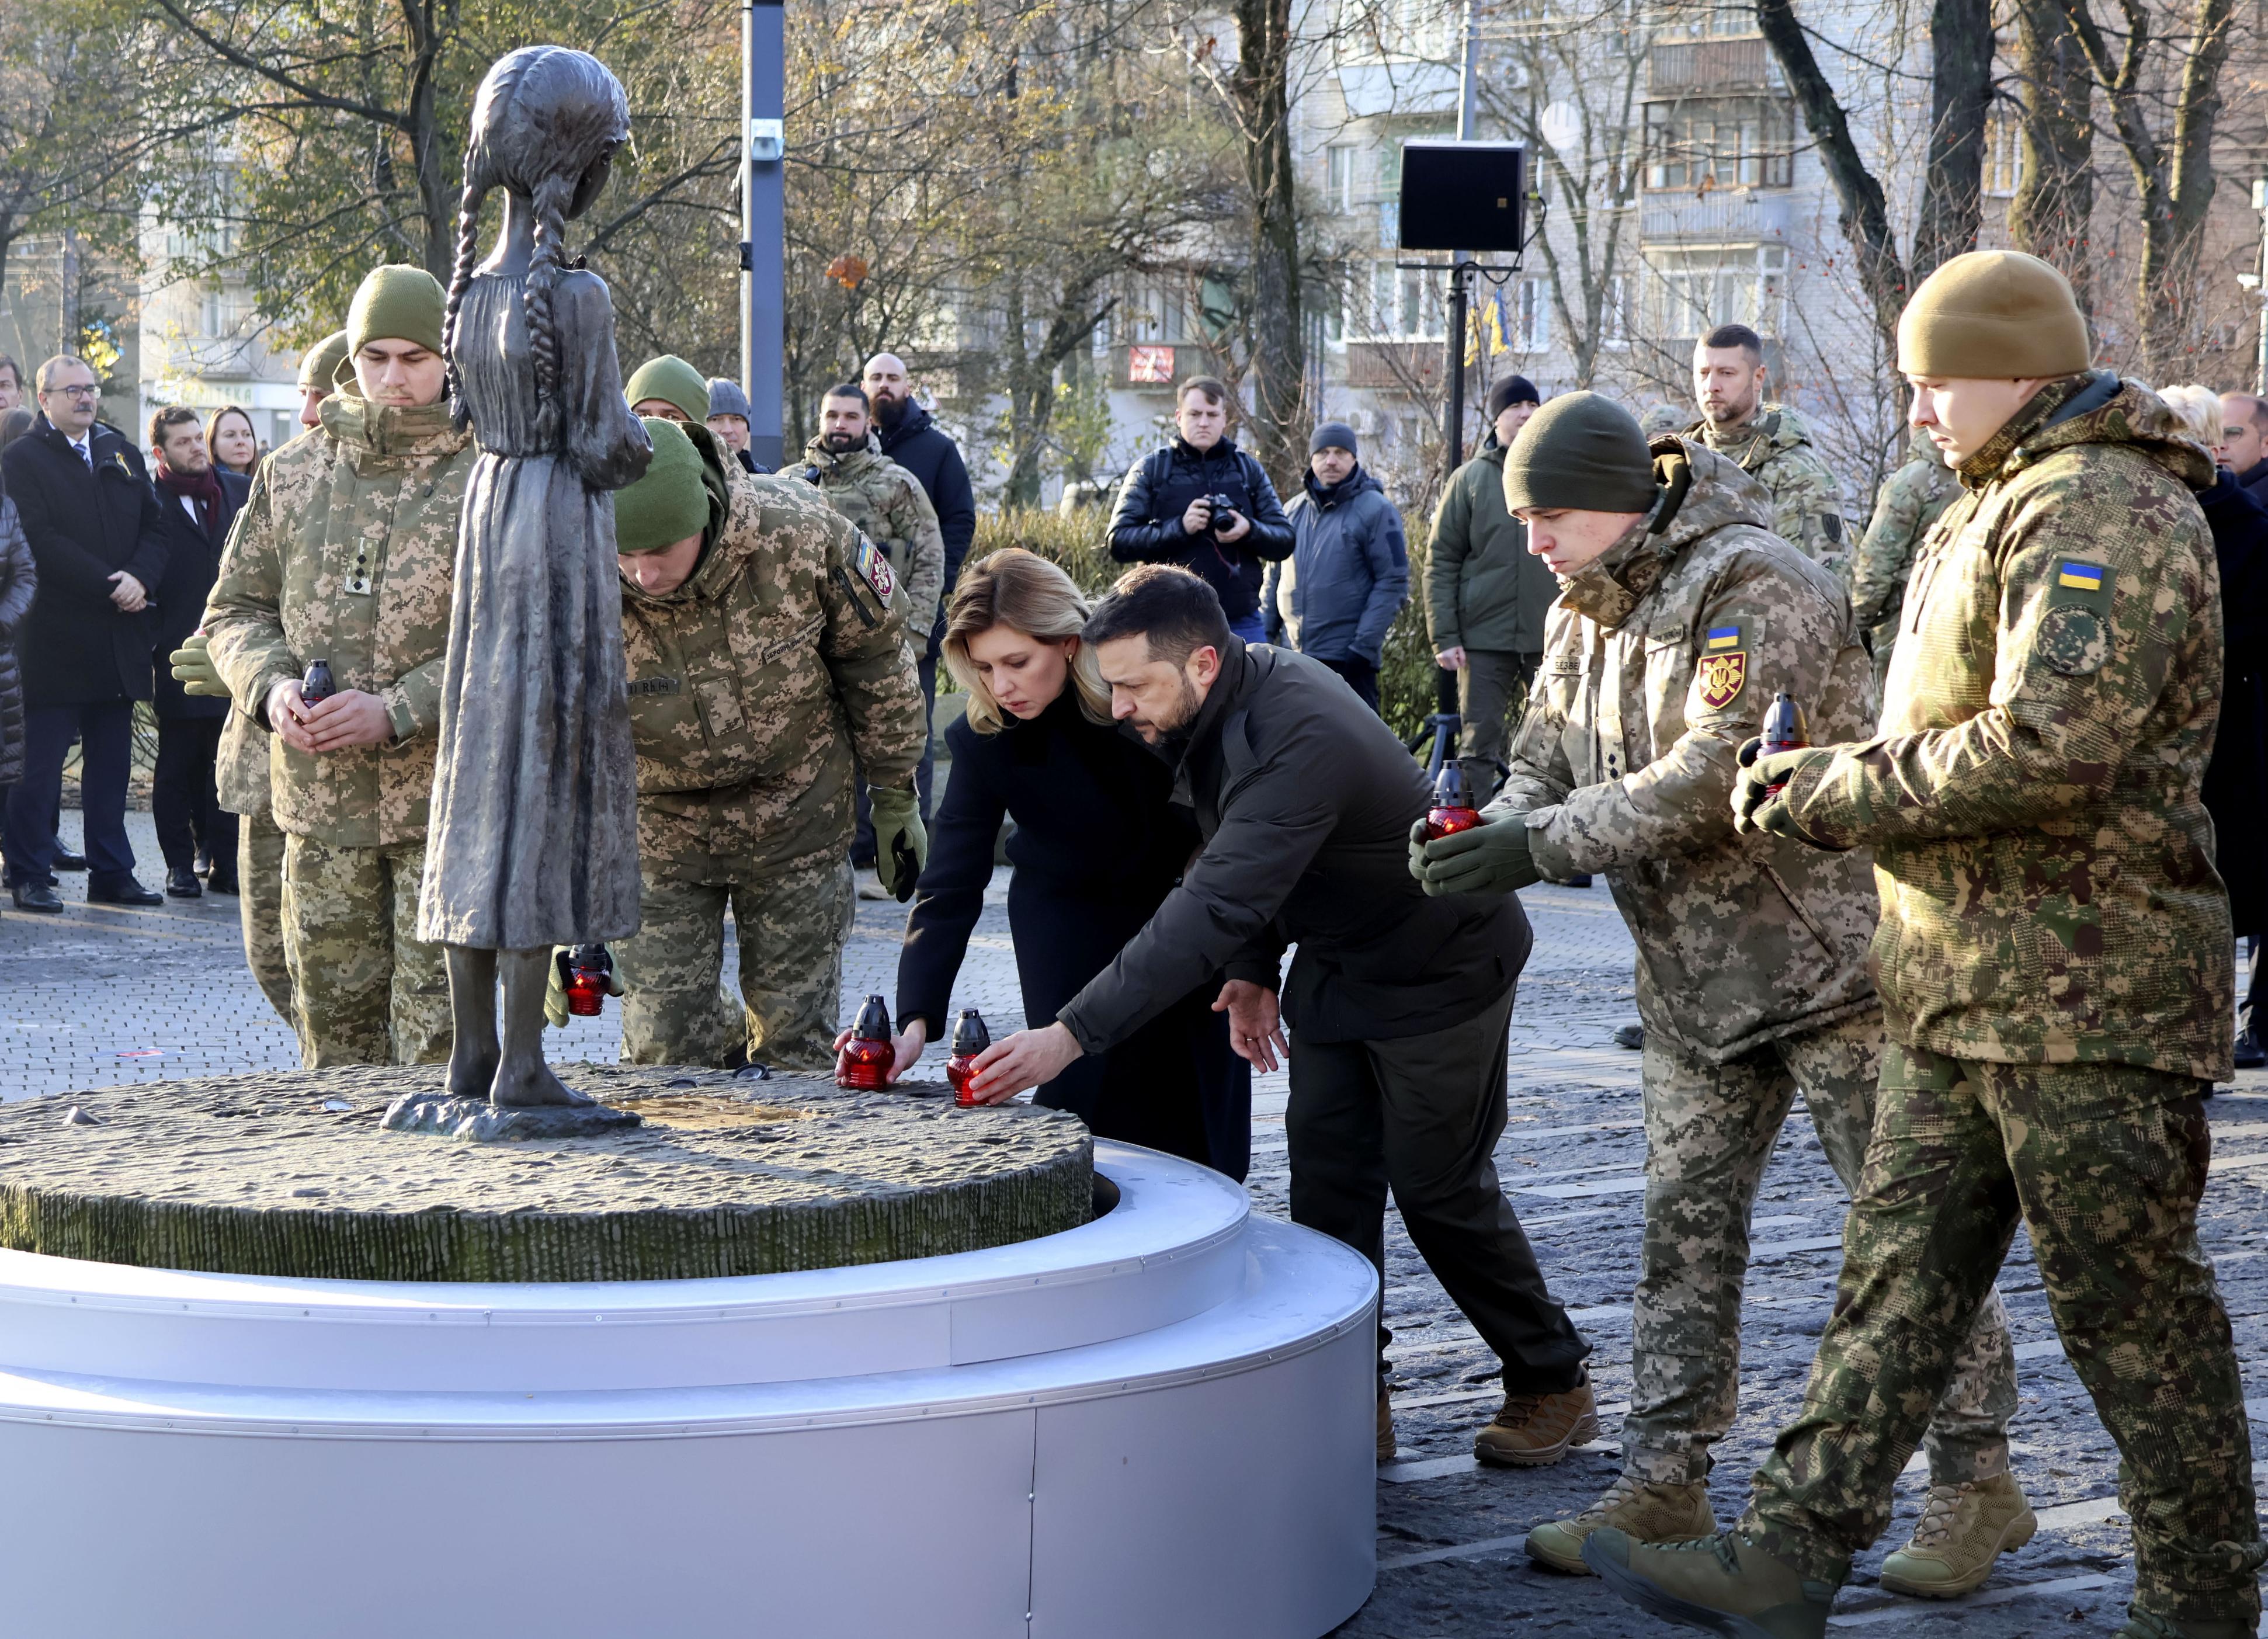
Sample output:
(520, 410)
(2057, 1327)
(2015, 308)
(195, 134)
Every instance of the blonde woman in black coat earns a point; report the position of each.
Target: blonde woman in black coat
(18, 580)
(1096, 848)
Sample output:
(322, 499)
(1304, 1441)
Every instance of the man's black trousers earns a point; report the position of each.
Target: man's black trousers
(184, 806)
(1422, 1114)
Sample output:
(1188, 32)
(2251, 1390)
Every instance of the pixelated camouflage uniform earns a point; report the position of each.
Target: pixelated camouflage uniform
(892, 510)
(345, 552)
(2056, 965)
(1751, 974)
(1774, 447)
(1911, 499)
(241, 773)
(750, 686)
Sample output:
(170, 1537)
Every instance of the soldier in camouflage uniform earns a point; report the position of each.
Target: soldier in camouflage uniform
(1911, 500)
(345, 553)
(1752, 982)
(1770, 442)
(751, 678)
(240, 768)
(2056, 968)
(886, 502)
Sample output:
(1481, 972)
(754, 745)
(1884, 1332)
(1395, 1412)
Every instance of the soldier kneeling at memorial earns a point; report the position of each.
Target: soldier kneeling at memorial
(762, 636)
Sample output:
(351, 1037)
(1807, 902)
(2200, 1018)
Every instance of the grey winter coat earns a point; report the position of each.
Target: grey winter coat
(1348, 574)
(18, 580)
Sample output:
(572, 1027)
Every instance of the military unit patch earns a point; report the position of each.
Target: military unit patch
(874, 565)
(1721, 677)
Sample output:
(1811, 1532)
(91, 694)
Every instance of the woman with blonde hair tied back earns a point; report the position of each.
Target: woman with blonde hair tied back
(1097, 845)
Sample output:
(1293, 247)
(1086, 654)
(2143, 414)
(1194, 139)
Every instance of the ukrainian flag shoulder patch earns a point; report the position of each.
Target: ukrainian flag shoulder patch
(2079, 577)
(1718, 638)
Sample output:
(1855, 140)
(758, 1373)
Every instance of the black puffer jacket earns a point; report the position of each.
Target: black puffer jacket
(18, 580)
(82, 526)
(1146, 528)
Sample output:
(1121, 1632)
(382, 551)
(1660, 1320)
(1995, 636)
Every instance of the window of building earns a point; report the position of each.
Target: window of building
(1403, 304)
(1704, 19)
(1614, 316)
(1691, 291)
(2004, 157)
(1530, 330)
(1338, 176)
(1738, 142)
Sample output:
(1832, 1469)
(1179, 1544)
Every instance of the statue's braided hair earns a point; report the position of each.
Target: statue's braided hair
(545, 119)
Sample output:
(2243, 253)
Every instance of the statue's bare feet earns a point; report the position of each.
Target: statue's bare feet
(471, 1069)
(527, 1082)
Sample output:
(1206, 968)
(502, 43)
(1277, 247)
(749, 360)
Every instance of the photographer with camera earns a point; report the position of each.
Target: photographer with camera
(1205, 505)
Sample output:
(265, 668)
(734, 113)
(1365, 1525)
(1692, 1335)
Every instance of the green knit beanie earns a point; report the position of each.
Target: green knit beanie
(396, 303)
(318, 366)
(673, 381)
(1583, 453)
(670, 502)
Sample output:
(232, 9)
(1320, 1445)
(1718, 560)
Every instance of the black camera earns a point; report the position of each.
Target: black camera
(1221, 506)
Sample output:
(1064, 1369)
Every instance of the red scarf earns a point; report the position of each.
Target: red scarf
(201, 488)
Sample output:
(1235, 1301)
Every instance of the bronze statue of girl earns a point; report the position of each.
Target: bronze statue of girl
(534, 839)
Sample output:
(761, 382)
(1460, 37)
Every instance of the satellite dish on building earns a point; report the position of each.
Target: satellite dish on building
(1562, 125)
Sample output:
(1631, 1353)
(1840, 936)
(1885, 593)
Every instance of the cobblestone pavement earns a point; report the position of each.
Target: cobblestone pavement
(100, 996)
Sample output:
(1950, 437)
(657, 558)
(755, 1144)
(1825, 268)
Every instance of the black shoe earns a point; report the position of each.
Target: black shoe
(132, 893)
(223, 880)
(183, 884)
(2249, 1054)
(38, 896)
(1631, 1036)
(65, 860)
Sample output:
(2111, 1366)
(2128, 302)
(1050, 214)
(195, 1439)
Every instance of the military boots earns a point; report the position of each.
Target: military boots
(1644, 1510)
(1724, 1583)
(1962, 1529)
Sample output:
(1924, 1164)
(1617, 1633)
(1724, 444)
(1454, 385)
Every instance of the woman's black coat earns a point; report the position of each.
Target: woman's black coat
(1096, 848)
(2236, 779)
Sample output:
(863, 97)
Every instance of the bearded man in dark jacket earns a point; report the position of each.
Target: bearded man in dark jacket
(1401, 1004)
(912, 438)
(1166, 512)
(201, 499)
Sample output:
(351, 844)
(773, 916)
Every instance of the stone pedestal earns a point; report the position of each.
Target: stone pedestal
(703, 1175)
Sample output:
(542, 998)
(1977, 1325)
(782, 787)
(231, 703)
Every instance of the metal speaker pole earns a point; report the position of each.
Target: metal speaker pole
(764, 206)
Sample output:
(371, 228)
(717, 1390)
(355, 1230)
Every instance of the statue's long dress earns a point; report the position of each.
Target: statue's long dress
(534, 839)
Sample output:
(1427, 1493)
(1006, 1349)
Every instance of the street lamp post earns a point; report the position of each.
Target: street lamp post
(763, 203)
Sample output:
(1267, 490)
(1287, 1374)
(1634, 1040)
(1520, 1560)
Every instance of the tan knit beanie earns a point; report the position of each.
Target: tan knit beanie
(1993, 313)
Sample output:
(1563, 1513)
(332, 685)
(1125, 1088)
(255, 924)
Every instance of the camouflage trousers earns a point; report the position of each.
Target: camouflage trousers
(1710, 1130)
(260, 905)
(2103, 1164)
(794, 920)
(365, 989)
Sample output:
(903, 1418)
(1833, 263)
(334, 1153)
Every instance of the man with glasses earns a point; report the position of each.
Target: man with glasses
(97, 537)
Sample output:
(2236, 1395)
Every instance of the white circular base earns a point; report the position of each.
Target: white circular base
(1159, 1423)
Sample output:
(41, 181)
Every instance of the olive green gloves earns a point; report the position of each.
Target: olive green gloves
(1493, 857)
(193, 668)
(1757, 806)
(901, 845)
